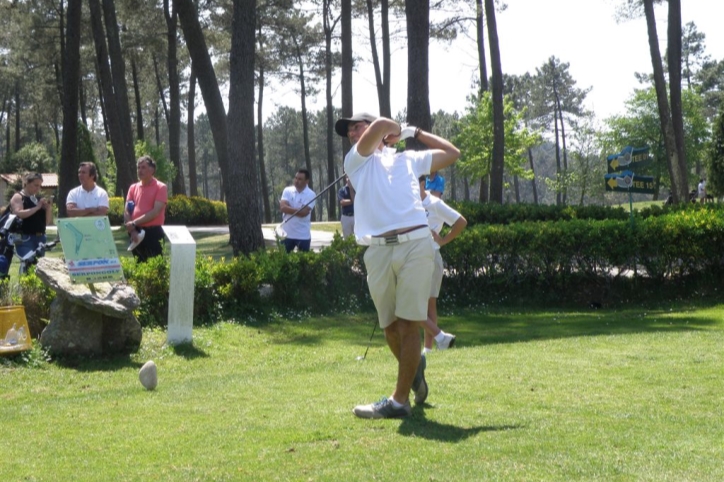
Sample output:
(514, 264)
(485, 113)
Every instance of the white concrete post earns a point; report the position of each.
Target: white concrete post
(181, 286)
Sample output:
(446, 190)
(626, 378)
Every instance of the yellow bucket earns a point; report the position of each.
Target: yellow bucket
(14, 330)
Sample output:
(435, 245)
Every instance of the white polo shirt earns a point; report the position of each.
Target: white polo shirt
(298, 227)
(387, 190)
(88, 199)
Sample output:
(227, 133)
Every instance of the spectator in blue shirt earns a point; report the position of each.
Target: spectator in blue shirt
(435, 184)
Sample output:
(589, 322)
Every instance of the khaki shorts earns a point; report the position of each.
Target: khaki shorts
(436, 276)
(399, 278)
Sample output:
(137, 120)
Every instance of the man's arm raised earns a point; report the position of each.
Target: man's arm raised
(373, 136)
(444, 153)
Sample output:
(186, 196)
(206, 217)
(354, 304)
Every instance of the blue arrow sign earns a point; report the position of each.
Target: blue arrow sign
(628, 159)
(627, 181)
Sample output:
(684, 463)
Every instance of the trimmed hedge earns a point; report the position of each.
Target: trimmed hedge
(490, 213)
(558, 257)
(189, 211)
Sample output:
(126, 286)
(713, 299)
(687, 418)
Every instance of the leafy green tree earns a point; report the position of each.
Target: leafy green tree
(556, 101)
(640, 126)
(715, 159)
(475, 139)
(710, 84)
(693, 50)
(31, 157)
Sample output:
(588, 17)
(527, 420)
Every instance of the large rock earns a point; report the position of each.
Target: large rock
(88, 319)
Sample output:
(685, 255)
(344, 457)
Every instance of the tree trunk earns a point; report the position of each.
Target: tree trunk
(382, 74)
(565, 155)
(174, 121)
(484, 195)
(244, 213)
(305, 120)
(126, 165)
(532, 169)
(480, 30)
(418, 82)
(17, 114)
(137, 95)
(559, 174)
(679, 183)
(60, 69)
(196, 44)
(677, 116)
(161, 93)
(191, 136)
(347, 65)
(328, 30)
(2, 115)
(124, 175)
(82, 100)
(71, 79)
(156, 121)
(260, 148)
(101, 100)
(498, 162)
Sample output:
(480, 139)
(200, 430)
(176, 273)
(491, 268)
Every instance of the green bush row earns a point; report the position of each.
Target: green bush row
(188, 211)
(561, 260)
(271, 280)
(489, 213)
(555, 257)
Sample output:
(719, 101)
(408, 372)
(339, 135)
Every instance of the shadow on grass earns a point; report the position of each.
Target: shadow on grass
(189, 351)
(106, 363)
(418, 425)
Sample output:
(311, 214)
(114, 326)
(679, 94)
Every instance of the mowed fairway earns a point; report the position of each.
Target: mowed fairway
(531, 393)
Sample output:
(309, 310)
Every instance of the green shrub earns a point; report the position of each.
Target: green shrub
(151, 282)
(180, 210)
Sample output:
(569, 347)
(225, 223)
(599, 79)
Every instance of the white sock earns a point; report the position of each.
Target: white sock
(440, 336)
(426, 350)
(395, 403)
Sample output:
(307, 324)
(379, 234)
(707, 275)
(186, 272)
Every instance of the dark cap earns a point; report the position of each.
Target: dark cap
(342, 125)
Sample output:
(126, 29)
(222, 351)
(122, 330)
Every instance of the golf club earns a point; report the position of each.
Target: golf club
(362, 358)
(279, 230)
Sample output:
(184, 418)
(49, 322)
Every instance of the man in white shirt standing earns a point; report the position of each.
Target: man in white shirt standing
(389, 217)
(88, 199)
(296, 206)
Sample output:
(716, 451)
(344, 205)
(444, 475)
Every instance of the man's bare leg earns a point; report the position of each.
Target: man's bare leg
(431, 329)
(403, 338)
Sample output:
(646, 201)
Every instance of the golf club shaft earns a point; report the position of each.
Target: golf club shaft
(374, 327)
(315, 198)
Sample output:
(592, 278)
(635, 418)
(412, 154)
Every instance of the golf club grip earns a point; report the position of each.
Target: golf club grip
(314, 199)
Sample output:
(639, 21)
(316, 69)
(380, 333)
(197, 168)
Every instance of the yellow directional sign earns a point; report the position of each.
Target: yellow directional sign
(630, 158)
(627, 181)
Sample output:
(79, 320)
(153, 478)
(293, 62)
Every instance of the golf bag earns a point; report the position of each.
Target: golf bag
(9, 223)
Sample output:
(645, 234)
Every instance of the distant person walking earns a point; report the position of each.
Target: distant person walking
(701, 190)
(346, 200)
(296, 206)
(88, 199)
(149, 197)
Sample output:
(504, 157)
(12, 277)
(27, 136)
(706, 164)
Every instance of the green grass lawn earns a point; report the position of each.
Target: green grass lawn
(530, 393)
